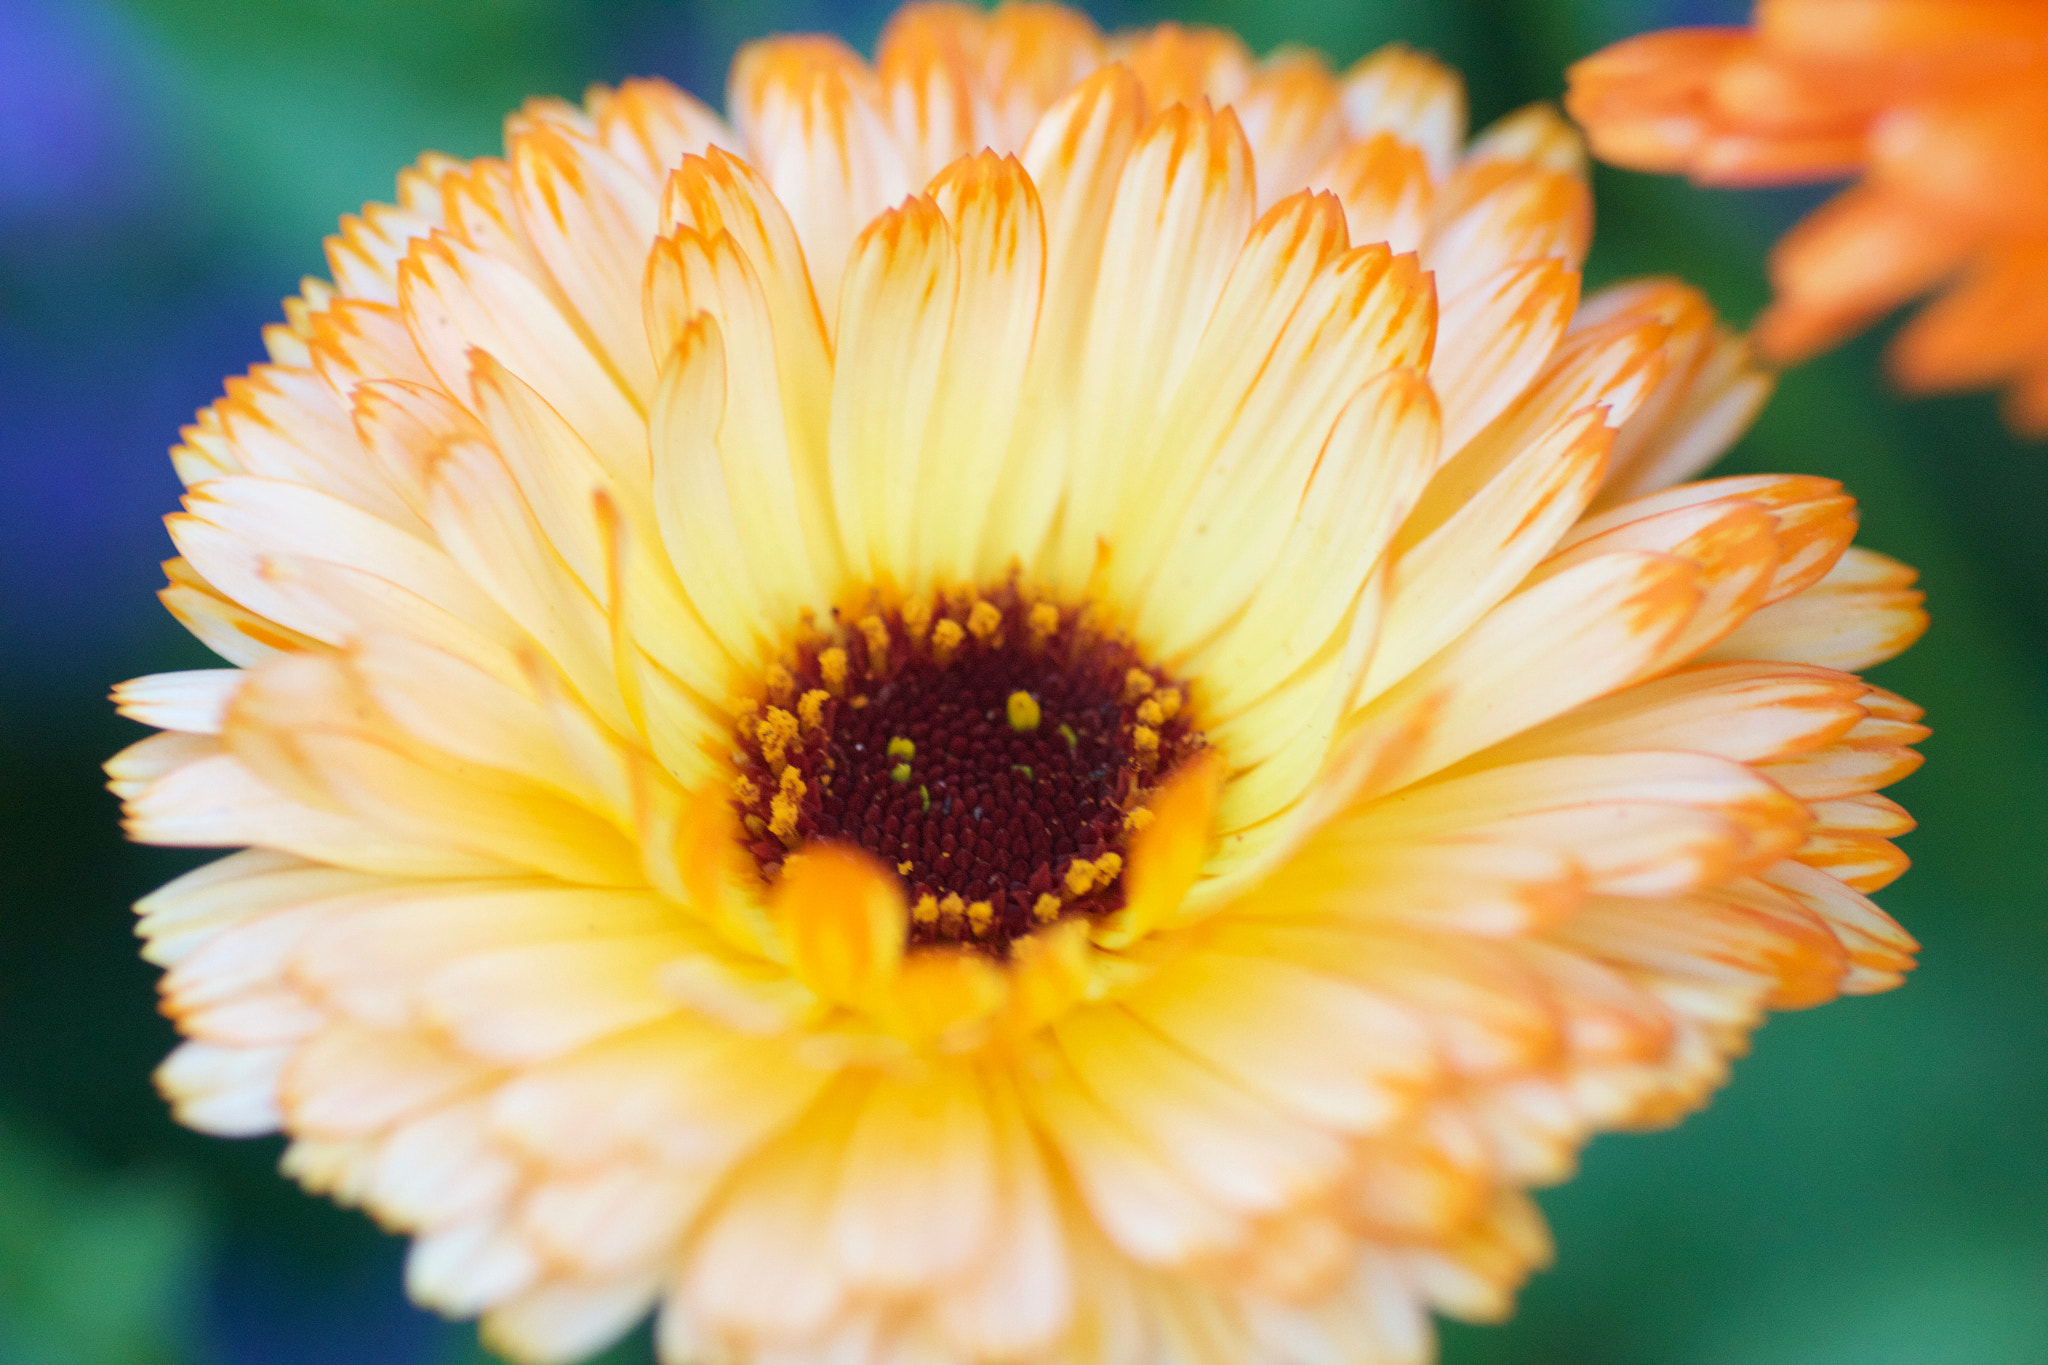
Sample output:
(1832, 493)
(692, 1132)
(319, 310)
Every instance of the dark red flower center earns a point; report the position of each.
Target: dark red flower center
(996, 751)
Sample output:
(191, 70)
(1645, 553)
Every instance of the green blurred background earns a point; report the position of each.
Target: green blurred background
(1872, 1190)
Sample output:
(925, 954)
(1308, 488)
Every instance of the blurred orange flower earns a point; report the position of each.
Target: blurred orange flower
(1940, 105)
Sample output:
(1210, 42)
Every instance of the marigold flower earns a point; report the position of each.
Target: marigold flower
(1048, 702)
(1941, 107)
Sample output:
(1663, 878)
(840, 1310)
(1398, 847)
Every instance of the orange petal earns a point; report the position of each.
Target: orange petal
(843, 920)
(1168, 854)
(1847, 264)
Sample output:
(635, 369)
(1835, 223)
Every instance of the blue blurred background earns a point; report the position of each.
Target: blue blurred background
(1872, 1190)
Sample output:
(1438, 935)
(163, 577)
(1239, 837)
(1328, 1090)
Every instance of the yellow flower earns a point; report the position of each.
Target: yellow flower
(1103, 760)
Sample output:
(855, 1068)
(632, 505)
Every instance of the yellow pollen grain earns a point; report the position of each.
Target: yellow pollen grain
(916, 615)
(946, 638)
(810, 709)
(743, 787)
(877, 635)
(1138, 819)
(900, 773)
(1144, 739)
(1137, 683)
(980, 916)
(903, 868)
(1046, 908)
(781, 684)
(786, 807)
(926, 911)
(952, 909)
(984, 621)
(1151, 713)
(1169, 703)
(832, 668)
(1023, 712)
(1107, 867)
(900, 747)
(1080, 877)
(1043, 620)
(776, 733)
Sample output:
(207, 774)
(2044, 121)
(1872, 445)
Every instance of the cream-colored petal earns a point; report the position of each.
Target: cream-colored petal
(1747, 712)
(1449, 578)
(1075, 157)
(1534, 135)
(458, 299)
(755, 1269)
(998, 229)
(916, 1201)
(722, 194)
(402, 426)
(814, 122)
(1734, 544)
(1020, 1297)
(1293, 118)
(1383, 183)
(561, 1322)
(188, 911)
(1812, 521)
(1148, 1210)
(1325, 1052)
(193, 702)
(217, 802)
(1589, 631)
(1494, 214)
(439, 1168)
(895, 310)
(1863, 612)
(1228, 1141)
(238, 530)
(1412, 95)
(483, 521)
(651, 126)
(1368, 475)
(304, 725)
(1182, 208)
(223, 1090)
(614, 1219)
(694, 504)
(356, 342)
(1366, 314)
(772, 456)
(370, 957)
(350, 1080)
(533, 1002)
(1494, 338)
(470, 1267)
(926, 63)
(645, 1092)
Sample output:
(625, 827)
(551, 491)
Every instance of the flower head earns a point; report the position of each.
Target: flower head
(1050, 701)
(1940, 105)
